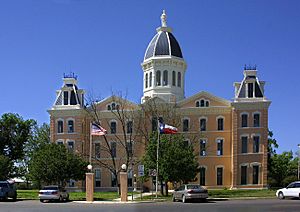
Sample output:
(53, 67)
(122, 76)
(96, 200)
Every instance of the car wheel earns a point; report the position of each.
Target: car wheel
(60, 199)
(183, 199)
(41, 200)
(280, 195)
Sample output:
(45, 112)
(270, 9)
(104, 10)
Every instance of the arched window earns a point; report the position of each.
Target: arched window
(179, 79)
(207, 104)
(70, 126)
(165, 78)
(202, 124)
(150, 80)
(244, 120)
(113, 106)
(173, 78)
(220, 124)
(158, 78)
(197, 104)
(256, 118)
(202, 103)
(185, 124)
(60, 126)
(108, 107)
(113, 127)
(146, 81)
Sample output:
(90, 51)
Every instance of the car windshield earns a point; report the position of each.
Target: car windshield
(50, 188)
(193, 187)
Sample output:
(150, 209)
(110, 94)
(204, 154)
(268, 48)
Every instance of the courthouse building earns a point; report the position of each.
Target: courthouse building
(229, 137)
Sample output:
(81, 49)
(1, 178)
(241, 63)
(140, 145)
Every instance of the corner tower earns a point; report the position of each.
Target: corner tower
(163, 66)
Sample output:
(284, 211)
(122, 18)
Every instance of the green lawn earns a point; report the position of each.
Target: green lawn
(33, 194)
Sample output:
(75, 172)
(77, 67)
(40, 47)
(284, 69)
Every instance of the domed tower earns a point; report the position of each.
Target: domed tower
(163, 66)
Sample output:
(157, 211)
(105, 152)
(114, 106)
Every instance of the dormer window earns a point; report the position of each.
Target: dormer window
(66, 97)
(250, 90)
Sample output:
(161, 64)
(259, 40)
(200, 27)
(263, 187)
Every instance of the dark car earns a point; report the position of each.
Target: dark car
(53, 192)
(190, 191)
(7, 190)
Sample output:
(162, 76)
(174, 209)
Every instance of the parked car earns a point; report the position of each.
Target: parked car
(190, 191)
(7, 190)
(292, 190)
(53, 192)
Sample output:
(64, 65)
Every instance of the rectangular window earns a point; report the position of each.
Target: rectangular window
(220, 176)
(97, 150)
(173, 78)
(256, 120)
(255, 174)
(113, 127)
(70, 126)
(60, 126)
(97, 178)
(220, 124)
(244, 120)
(244, 144)
(66, 97)
(202, 176)
(220, 147)
(243, 175)
(113, 146)
(73, 99)
(185, 127)
(255, 144)
(150, 80)
(202, 124)
(71, 146)
(250, 90)
(202, 147)
(129, 127)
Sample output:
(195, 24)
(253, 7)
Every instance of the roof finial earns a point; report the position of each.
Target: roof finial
(163, 18)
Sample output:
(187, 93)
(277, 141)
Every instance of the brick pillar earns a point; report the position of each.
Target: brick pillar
(123, 185)
(234, 150)
(89, 180)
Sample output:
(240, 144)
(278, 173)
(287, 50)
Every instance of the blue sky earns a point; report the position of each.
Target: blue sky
(104, 42)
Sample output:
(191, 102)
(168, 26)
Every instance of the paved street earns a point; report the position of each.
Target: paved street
(224, 205)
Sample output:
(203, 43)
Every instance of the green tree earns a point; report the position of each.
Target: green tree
(6, 167)
(283, 169)
(52, 163)
(177, 162)
(14, 133)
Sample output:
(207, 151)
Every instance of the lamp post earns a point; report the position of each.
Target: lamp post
(89, 180)
(134, 182)
(123, 183)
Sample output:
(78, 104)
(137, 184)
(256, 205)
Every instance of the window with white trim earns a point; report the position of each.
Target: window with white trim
(70, 126)
(113, 127)
(179, 79)
(60, 126)
(243, 175)
(146, 81)
(220, 147)
(220, 124)
(150, 80)
(129, 126)
(202, 147)
(255, 144)
(71, 146)
(203, 124)
(185, 125)
(220, 176)
(97, 177)
(255, 173)
(244, 144)
(244, 120)
(158, 78)
(165, 78)
(173, 78)
(202, 171)
(256, 120)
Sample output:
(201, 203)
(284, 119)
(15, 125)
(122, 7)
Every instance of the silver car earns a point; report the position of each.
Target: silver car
(53, 192)
(190, 191)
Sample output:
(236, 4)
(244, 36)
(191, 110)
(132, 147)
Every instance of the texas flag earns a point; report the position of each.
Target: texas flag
(98, 130)
(167, 129)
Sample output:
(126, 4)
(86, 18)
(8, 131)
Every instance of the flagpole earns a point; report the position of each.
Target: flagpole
(157, 148)
(90, 156)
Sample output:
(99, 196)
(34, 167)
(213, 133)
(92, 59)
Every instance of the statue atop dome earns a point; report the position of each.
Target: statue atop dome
(163, 18)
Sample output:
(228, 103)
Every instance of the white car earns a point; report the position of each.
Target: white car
(53, 192)
(292, 190)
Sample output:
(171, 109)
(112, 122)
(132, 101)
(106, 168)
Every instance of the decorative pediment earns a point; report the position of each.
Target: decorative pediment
(113, 102)
(204, 99)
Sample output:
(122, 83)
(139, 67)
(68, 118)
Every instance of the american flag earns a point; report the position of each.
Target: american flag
(98, 130)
